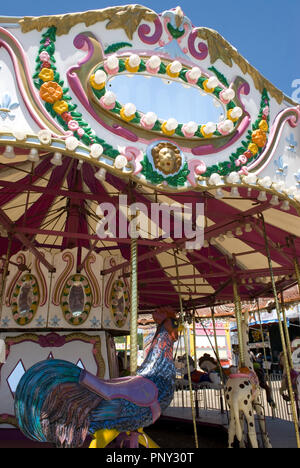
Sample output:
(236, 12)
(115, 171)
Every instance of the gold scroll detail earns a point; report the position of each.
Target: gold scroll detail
(219, 48)
(127, 17)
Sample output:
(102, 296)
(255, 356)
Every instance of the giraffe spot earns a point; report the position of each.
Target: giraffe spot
(229, 389)
(248, 396)
(250, 413)
(227, 397)
(246, 383)
(251, 424)
(242, 386)
(245, 402)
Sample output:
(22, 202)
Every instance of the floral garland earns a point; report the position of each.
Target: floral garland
(58, 104)
(251, 148)
(57, 100)
(155, 178)
(137, 118)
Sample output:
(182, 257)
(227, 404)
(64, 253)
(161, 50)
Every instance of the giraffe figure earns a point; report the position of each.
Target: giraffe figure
(242, 396)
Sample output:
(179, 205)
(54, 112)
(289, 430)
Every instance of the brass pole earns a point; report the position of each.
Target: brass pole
(5, 271)
(286, 331)
(186, 353)
(215, 333)
(285, 353)
(125, 356)
(133, 308)
(194, 341)
(265, 354)
(238, 316)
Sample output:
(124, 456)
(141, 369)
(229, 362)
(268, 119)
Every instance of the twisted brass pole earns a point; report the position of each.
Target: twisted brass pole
(133, 307)
(186, 353)
(238, 316)
(286, 331)
(4, 273)
(194, 341)
(285, 353)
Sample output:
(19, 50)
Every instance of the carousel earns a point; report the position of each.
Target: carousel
(145, 168)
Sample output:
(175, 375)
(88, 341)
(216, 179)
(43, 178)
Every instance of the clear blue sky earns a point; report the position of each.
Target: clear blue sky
(265, 32)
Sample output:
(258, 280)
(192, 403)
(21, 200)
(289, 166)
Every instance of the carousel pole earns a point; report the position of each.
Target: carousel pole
(286, 330)
(5, 271)
(238, 316)
(284, 348)
(194, 340)
(215, 333)
(186, 353)
(133, 307)
(296, 262)
(264, 348)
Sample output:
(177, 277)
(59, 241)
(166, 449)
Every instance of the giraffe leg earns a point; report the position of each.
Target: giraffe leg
(242, 441)
(251, 427)
(262, 424)
(231, 431)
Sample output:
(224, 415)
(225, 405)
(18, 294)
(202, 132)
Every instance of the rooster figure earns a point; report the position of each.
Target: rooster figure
(58, 402)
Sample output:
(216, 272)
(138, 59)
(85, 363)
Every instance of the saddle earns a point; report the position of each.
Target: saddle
(136, 389)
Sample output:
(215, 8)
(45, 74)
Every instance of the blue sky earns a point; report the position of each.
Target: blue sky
(265, 32)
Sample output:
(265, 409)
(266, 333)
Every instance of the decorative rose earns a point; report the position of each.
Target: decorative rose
(80, 132)
(263, 126)
(73, 125)
(51, 92)
(95, 85)
(60, 107)
(66, 116)
(259, 138)
(243, 159)
(46, 74)
(253, 148)
(44, 56)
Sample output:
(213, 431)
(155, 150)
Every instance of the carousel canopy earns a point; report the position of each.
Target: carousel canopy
(73, 151)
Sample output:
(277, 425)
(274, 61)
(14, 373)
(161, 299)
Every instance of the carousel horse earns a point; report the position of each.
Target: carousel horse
(58, 402)
(210, 379)
(242, 397)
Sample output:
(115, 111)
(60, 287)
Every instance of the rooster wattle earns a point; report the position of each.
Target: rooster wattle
(58, 402)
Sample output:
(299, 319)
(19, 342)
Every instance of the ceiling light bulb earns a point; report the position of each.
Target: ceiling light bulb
(274, 200)
(262, 196)
(101, 174)
(33, 155)
(235, 192)
(56, 160)
(285, 206)
(9, 152)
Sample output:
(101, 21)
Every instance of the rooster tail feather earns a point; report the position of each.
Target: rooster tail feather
(34, 387)
(65, 414)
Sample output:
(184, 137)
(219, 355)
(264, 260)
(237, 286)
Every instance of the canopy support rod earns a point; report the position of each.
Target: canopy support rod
(284, 347)
(9, 226)
(187, 355)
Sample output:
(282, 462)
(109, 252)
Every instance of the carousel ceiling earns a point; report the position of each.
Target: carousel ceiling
(43, 206)
(70, 142)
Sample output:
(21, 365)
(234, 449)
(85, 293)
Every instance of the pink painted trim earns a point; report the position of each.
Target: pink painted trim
(239, 376)
(275, 135)
(27, 103)
(79, 42)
